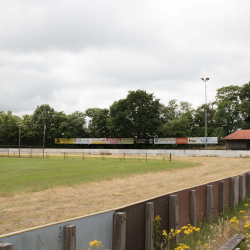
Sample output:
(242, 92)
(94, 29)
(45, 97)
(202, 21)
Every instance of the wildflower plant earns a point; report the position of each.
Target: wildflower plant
(96, 245)
(157, 232)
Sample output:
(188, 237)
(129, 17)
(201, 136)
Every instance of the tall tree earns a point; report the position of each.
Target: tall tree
(228, 114)
(244, 106)
(199, 120)
(98, 126)
(136, 116)
(171, 111)
(9, 126)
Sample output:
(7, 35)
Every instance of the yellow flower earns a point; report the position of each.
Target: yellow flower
(242, 211)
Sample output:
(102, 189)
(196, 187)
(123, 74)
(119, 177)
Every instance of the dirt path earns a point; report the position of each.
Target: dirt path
(33, 209)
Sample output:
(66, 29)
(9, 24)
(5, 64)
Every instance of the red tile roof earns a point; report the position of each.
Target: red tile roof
(239, 135)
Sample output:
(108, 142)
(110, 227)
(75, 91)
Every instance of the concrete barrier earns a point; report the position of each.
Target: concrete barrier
(174, 152)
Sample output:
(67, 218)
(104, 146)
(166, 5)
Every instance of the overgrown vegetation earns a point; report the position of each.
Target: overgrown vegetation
(210, 235)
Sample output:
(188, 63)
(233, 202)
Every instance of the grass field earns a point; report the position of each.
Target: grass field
(25, 175)
(22, 208)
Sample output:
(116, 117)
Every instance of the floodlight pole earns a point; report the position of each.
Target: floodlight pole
(19, 139)
(205, 80)
(44, 127)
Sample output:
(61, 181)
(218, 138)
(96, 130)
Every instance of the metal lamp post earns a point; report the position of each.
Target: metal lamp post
(205, 80)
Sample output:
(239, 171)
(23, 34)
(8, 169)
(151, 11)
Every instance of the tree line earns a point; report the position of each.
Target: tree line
(139, 115)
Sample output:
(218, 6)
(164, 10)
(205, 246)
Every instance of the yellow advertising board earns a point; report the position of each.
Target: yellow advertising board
(64, 141)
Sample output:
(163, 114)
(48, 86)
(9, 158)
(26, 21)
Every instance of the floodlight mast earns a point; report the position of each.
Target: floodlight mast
(205, 111)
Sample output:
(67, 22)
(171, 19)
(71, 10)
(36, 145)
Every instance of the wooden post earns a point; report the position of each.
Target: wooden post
(234, 192)
(124, 156)
(6, 246)
(242, 187)
(174, 215)
(192, 207)
(222, 197)
(170, 156)
(210, 203)
(119, 231)
(69, 234)
(146, 157)
(46, 155)
(149, 226)
(248, 183)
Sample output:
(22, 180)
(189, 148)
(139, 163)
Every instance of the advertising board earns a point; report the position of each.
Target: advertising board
(64, 141)
(127, 140)
(194, 140)
(210, 140)
(144, 141)
(164, 140)
(182, 140)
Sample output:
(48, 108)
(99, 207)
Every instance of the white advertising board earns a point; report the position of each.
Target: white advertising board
(164, 140)
(194, 140)
(210, 140)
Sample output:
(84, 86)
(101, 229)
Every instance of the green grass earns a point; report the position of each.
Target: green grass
(31, 174)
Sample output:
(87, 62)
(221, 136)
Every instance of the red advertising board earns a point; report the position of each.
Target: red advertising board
(182, 140)
(114, 140)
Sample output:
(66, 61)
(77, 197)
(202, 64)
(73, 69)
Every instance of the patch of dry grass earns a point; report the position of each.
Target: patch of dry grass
(26, 210)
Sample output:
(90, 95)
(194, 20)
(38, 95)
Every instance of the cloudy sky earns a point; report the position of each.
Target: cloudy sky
(75, 55)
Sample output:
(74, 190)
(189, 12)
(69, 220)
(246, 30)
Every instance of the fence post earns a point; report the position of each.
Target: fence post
(234, 192)
(149, 226)
(222, 197)
(248, 183)
(146, 157)
(170, 156)
(210, 202)
(192, 207)
(242, 187)
(124, 157)
(6, 246)
(69, 234)
(119, 231)
(174, 215)
(46, 154)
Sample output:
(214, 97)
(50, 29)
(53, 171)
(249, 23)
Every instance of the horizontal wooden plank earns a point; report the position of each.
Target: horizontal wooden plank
(232, 243)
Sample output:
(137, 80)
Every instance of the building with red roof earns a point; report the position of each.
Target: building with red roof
(238, 140)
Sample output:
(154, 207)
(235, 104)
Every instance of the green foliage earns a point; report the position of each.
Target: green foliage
(9, 126)
(228, 113)
(139, 115)
(157, 232)
(176, 128)
(136, 116)
(98, 127)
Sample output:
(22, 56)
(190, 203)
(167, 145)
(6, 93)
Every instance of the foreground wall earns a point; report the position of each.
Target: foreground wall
(131, 226)
(177, 152)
